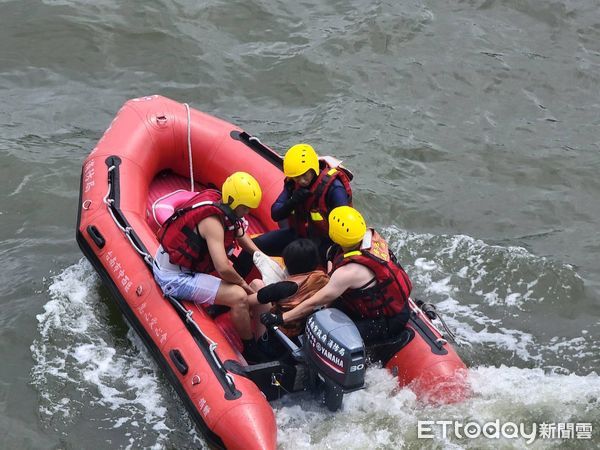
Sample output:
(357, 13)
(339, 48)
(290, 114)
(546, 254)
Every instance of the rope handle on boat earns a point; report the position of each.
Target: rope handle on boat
(188, 316)
(449, 332)
(209, 345)
(129, 232)
(431, 312)
(212, 346)
(110, 203)
(254, 138)
(230, 380)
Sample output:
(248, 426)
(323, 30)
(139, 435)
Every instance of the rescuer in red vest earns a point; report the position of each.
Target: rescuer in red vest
(193, 263)
(367, 281)
(312, 188)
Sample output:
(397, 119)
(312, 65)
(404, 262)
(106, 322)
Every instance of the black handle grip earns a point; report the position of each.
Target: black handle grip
(96, 236)
(178, 360)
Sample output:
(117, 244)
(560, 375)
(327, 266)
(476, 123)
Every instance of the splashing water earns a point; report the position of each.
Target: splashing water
(500, 300)
(84, 372)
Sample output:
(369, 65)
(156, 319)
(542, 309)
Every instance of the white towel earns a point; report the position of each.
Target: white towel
(269, 269)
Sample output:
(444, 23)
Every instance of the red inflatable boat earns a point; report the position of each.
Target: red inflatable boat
(152, 149)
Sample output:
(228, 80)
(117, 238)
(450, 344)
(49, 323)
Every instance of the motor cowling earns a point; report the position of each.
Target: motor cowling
(334, 348)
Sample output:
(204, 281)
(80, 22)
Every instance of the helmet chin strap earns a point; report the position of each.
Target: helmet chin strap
(233, 218)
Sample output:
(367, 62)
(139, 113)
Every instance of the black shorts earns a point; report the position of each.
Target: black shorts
(271, 345)
(382, 328)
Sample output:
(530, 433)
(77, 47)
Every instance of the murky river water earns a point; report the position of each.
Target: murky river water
(472, 129)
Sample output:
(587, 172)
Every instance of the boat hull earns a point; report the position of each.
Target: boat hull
(143, 154)
(147, 137)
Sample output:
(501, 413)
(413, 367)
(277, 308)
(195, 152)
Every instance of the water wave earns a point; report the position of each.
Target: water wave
(84, 371)
(501, 300)
(381, 416)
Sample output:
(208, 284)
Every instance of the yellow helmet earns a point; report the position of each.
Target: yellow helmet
(346, 226)
(299, 159)
(241, 188)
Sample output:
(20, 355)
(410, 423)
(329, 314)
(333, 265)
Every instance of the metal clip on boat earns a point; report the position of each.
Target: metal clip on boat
(432, 313)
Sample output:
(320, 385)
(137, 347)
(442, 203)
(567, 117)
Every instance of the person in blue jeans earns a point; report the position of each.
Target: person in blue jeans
(312, 188)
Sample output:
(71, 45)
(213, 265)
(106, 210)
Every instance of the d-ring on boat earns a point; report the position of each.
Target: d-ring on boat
(152, 149)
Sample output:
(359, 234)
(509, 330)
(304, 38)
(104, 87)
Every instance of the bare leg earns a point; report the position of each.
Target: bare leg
(256, 285)
(256, 309)
(235, 297)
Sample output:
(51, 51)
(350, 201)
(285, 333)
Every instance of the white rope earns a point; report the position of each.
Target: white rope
(127, 231)
(254, 138)
(146, 256)
(213, 345)
(189, 142)
(106, 200)
(230, 379)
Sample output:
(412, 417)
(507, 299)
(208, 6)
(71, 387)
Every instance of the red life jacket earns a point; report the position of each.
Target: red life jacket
(389, 295)
(310, 218)
(179, 236)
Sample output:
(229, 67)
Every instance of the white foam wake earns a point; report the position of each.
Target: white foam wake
(380, 416)
(84, 371)
(87, 368)
(492, 295)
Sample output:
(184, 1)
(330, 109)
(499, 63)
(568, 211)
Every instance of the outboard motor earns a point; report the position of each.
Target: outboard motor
(335, 354)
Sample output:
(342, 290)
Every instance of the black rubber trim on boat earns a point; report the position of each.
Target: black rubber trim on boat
(179, 361)
(229, 389)
(384, 351)
(213, 439)
(96, 236)
(428, 336)
(258, 147)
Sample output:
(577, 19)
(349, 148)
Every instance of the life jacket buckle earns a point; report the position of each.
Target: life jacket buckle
(316, 216)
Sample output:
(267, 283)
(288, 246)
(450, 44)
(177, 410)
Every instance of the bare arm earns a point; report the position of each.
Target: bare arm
(211, 230)
(342, 279)
(247, 244)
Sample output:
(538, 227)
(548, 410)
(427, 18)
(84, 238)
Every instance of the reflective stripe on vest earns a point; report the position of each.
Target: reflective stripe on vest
(179, 236)
(310, 218)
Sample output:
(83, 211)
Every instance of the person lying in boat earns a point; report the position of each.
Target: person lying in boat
(195, 243)
(312, 188)
(301, 259)
(370, 285)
